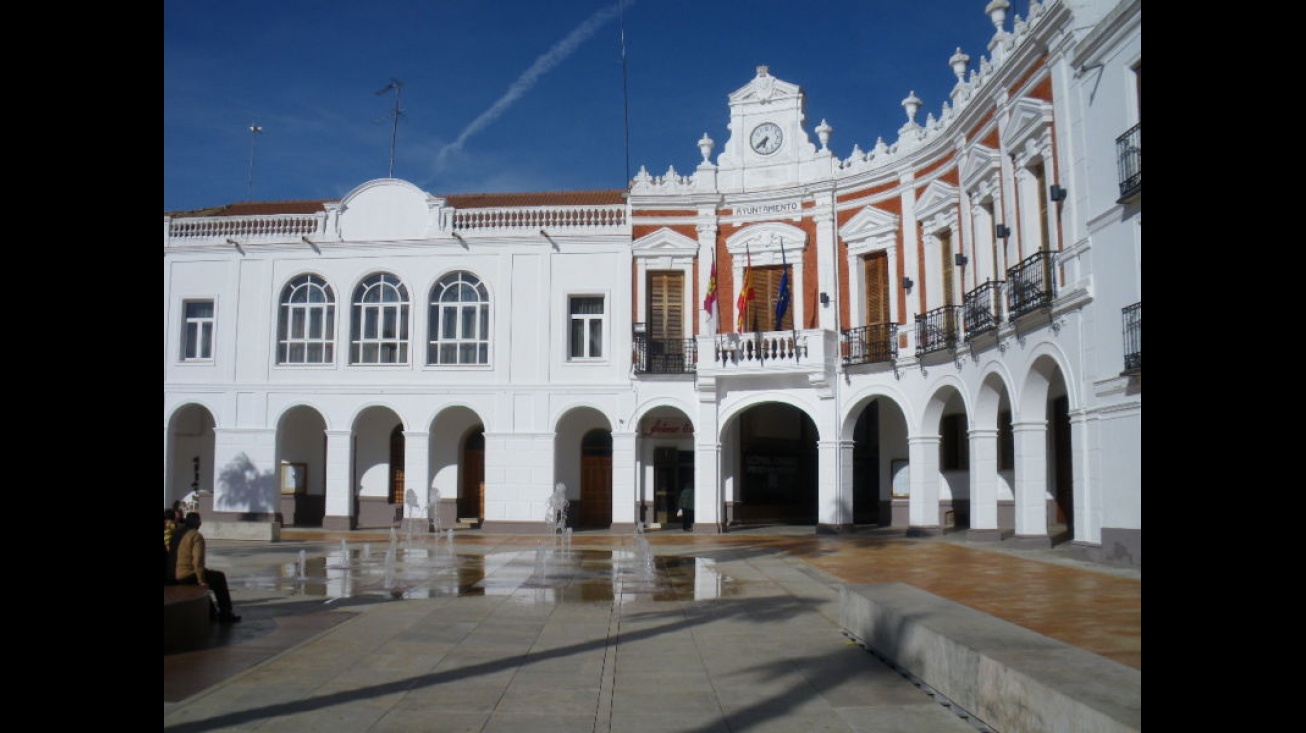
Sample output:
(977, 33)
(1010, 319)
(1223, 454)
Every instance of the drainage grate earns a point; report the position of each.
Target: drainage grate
(939, 697)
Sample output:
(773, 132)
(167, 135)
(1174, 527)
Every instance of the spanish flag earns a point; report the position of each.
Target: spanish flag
(710, 300)
(746, 294)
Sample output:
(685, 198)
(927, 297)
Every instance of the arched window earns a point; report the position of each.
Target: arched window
(459, 321)
(306, 322)
(378, 330)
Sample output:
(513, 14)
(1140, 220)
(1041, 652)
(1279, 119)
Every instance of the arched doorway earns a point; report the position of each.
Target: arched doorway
(866, 466)
(191, 437)
(596, 479)
(471, 496)
(778, 466)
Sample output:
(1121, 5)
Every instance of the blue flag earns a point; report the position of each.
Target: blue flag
(782, 299)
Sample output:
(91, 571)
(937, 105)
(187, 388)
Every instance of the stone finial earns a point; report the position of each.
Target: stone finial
(997, 12)
(912, 104)
(958, 62)
(764, 70)
(705, 145)
(823, 131)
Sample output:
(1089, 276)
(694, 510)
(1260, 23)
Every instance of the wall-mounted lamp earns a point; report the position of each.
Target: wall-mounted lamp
(459, 237)
(310, 243)
(825, 298)
(961, 259)
(235, 244)
(1002, 231)
(639, 330)
(907, 283)
(1057, 193)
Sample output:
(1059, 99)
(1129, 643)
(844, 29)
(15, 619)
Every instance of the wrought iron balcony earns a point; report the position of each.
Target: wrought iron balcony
(870, 344)
(938, 329)
(1030, 285)
(1129, 156)
(657, 356)
(983, 309)
(1133, 327)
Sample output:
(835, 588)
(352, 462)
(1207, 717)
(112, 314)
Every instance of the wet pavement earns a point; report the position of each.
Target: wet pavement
(666, 631)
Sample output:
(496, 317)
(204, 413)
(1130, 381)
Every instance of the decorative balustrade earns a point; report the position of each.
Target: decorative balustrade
(983, 309)
(245, 229)
(938, 329)
(1030, 285)
(552, 219)
(877, 342)
(1132, 316)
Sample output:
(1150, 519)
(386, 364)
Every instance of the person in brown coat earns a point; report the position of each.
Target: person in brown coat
(191, 569)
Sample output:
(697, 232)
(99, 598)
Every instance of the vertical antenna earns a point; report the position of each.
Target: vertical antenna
(396, 85)
(254, 131)
(625, 102)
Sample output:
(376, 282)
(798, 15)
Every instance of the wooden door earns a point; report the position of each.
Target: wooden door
(596, 491)
(471, 498)
(397, 465)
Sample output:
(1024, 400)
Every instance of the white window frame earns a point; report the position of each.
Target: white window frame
(286, 312)
(198, 332)
(593, 323)
(362, 311)
(480, 309)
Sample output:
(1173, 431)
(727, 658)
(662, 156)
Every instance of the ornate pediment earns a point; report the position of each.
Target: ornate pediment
(764, 88)
(980, 163)
(763, 242)
(1030, 118)
(664, 242)
(871, 229)
(937, 199)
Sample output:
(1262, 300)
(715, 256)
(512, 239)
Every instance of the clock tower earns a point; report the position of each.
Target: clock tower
(768, 147)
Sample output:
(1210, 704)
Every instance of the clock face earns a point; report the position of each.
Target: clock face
(766, 138)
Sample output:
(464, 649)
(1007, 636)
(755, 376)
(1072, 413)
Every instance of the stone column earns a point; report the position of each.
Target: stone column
(834, 495)
(417, 471)
(984, 485)
(246, 477)
(923, 470)
(1031, 483)
(625, 481)
(340, 498)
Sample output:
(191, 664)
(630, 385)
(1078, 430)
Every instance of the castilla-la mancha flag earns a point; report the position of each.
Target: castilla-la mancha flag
(710, 300)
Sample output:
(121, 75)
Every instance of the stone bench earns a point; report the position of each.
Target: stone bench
(257, 531)
(1009, 677)
(185, 616)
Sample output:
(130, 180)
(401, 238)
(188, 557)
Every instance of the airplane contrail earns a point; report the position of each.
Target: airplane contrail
(543, 65)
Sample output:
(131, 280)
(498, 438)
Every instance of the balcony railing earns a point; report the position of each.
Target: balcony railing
(761, 347)
(1133, 327)
(938, 329)
(983, 308)
(658, 356)
(1129, 156)
(870, 344)
(554, 219)
(1030, 285)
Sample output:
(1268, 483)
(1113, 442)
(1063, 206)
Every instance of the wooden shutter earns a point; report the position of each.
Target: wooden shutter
(766, 291)
(875, 268)
(666, 305)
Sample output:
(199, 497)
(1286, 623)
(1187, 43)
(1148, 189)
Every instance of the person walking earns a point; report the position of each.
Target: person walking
(191, 569)
(686, 512)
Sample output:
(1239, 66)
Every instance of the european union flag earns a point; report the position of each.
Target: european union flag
(782, 299)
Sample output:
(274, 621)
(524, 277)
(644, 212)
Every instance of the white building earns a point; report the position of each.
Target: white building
(962, 348)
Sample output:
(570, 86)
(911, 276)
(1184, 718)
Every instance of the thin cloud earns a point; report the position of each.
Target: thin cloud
(529, 78)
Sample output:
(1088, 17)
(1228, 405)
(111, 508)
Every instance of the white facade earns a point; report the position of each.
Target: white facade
(1000, 390)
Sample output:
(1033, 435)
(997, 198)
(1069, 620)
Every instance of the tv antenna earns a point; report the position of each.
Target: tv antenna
(397, 87)
(254, 131)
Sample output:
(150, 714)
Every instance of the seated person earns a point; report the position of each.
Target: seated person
(191, 570)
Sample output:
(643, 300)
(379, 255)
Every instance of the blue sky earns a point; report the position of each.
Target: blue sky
(521, 95)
